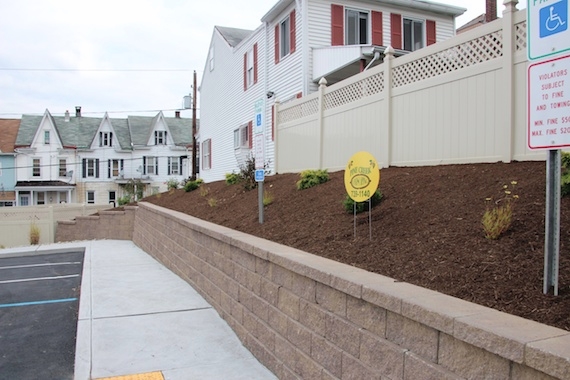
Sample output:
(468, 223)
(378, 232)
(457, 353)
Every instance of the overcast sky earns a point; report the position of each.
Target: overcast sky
(120, 56)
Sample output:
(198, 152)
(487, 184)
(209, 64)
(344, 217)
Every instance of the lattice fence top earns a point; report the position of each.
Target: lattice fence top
(470, 53)
(308, 108)
(520, 36)
(363, 88)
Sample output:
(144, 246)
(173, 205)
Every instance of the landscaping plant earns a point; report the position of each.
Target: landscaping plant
(348, 202)
(498, 216)
(310, 178)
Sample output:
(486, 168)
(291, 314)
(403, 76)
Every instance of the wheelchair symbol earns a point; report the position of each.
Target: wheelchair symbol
(553, 19)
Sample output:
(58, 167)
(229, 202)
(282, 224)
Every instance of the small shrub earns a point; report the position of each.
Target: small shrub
(172, 184)
(267, 198)
(212, 202)
(126, 199)
(204, 191)
(232, 178)
(34, 234)
(498, 216)
(310, 178)
(192, 185)
(362, 206)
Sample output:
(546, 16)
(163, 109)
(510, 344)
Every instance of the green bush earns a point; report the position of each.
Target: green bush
(565, 176)
(124, 200)
(232, 178)
(310, 178)
(348, 202)
(172, 184)
(192, 185)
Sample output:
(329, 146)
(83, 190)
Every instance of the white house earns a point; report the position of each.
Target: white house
(298, 43)
(66, 159)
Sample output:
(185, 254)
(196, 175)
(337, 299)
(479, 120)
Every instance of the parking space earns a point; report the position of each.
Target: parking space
(39, 302)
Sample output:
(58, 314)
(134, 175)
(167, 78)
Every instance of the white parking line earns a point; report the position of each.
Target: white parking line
(38, 279)
(41, 265)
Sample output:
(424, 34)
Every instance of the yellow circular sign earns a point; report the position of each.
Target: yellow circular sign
(361, 176)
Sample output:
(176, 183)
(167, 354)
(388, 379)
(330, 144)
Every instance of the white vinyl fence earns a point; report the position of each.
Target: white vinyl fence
(459, 101)
(15, 222)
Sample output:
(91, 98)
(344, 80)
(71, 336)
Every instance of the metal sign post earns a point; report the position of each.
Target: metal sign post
(552, 222)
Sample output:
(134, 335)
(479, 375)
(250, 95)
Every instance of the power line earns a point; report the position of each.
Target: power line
(101, 70)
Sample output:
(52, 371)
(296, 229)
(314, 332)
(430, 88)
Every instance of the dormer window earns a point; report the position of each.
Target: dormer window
(105, 138)
(46, 137)
(159, 137)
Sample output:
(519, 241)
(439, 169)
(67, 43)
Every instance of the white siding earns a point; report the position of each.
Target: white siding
(224, 105)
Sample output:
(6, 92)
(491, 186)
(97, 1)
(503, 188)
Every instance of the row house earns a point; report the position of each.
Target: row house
(8, 132)
(298, 43)
(77, 159)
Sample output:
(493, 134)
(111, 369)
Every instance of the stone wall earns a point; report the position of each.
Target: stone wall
(109, 224)
(308, 317)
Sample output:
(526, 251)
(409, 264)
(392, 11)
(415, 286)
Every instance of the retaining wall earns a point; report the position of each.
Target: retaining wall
(308, 317)
(109, 224)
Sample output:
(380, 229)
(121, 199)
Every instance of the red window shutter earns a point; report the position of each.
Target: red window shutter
(430, 32)
(277, 43)
(250, 133)
(292, 32)
(255, 63)
(377, 36)
(245, 71)
(337, 25)
(273, 122)
(396, 30)
(299, 95)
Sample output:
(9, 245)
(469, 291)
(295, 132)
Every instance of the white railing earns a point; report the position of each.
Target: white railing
(459, 101)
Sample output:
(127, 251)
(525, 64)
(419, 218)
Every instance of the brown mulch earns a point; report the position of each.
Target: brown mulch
(426, 231)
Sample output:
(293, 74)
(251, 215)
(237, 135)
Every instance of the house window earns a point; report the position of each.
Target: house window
(41, 198)
(90, 168)
(0, 169)
(114, 168)
(91, 197)
(36, 169)
(174, 166)
(413, 34)
(249, 70)
(207, 154)
(356, 32)
(284, 37)
(150, 165)
(46, 137)
(241, 137)
(159, 137)
(112, 197)
(62, 167)
(105, 138)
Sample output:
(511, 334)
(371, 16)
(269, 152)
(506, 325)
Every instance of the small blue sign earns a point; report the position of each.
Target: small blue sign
(258, 120)
(259, 175)
(553, 18)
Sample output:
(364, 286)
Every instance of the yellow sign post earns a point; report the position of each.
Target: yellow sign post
(361, 179)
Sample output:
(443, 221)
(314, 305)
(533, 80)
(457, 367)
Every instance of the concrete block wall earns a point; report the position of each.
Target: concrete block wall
(109, 224)
(308, 317)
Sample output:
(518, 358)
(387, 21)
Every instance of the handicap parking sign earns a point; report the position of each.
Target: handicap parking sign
(553, 18)
(548, 33)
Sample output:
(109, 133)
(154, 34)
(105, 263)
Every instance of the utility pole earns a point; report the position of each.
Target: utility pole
(195, 167)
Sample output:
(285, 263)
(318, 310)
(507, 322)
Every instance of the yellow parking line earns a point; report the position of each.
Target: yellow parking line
(140, 376)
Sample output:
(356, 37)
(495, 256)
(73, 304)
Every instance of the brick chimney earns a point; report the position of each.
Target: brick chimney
(77, 111)
(490, 10)
(177, 114)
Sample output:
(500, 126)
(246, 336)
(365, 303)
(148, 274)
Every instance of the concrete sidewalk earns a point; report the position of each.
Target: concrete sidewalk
(137, 317)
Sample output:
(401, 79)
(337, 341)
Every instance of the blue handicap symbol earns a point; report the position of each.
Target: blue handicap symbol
(554, 18)
(258, 120)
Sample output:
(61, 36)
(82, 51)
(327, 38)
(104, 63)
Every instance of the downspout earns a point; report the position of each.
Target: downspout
(304, 6)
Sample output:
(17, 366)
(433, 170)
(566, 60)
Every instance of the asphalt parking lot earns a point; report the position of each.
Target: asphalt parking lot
(39, 303)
